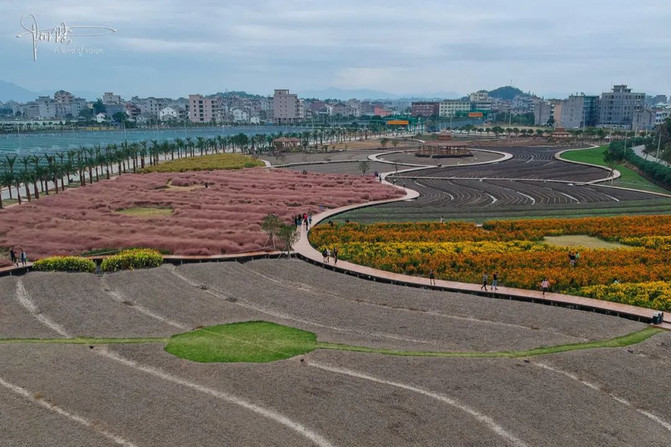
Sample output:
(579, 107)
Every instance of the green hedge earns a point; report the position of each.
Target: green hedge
(140, 258)
(65, 264)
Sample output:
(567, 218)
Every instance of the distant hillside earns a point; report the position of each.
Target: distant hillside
(506, 93)
(241, 94)
(9, 91)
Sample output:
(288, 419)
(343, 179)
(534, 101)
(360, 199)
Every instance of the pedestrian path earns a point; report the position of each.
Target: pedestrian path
(310, 254)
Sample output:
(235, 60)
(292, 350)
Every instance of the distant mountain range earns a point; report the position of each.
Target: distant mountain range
(12, 92)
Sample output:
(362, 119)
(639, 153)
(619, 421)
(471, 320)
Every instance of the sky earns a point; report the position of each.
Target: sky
(420, 47)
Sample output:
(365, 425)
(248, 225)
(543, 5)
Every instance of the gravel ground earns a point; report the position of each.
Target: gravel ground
(483, 311)
(478, 157)
(318, 156)
(343, 168)
(309, 304)
(15, 320)
(77, 302)
(148, 397)
(539, 406)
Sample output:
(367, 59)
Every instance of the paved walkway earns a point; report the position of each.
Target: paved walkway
(310, 254)
(638, 150)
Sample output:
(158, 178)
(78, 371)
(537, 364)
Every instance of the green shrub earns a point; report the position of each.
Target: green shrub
(65, 264)
(139, 258)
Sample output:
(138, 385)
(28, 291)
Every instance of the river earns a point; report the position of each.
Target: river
(50, 142)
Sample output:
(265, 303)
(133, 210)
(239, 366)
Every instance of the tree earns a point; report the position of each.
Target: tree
(364, 165)
(271, 224)
(99, 107)
(288, 235)
(120, 117)
(86, 113)
(384, 142)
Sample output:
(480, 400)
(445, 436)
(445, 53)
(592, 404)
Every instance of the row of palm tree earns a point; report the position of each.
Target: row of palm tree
(46, 173)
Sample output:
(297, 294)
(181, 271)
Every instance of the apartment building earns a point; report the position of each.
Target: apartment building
(286, 107)
(425, 108)
(451, 107)
(617, 108)
(202, 109)
(579, 111)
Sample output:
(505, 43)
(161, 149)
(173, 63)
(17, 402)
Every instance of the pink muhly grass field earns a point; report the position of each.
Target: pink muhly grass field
(223, 218)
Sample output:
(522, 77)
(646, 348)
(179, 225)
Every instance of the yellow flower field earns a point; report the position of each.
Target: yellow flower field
(461, 251)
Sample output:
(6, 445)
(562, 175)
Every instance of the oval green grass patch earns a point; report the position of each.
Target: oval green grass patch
(251, 341)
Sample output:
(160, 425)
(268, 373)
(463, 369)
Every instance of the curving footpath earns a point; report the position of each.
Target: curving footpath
(308, 253)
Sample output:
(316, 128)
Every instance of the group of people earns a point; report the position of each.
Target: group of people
(16, 259)
(304, 219)
(485, 280)
(328, 253)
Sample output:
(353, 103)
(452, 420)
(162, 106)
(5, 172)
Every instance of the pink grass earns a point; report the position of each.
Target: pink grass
(221, 219)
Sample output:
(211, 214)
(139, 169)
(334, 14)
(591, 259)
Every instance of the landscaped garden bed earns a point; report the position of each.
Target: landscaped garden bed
(191, 213)
(461, 251)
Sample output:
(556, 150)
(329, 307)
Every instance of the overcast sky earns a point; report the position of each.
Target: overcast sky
(173, 48)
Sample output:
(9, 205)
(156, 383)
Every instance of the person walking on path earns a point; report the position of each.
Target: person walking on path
(432, 278)
(495, 281)
(485, 277)
(23, 257)
(12, 256)
(545, 285)
(335, 255)
(309, 220)
(326, 256)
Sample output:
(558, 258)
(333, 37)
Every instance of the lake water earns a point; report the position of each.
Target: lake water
(44, 143)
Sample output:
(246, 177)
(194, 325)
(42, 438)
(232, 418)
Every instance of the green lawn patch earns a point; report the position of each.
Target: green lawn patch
(628, 179)
(617, 342)
(252, 341)
(145, 212)
(581, 240)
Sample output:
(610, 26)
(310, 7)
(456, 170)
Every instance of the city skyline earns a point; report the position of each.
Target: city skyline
(424, 49)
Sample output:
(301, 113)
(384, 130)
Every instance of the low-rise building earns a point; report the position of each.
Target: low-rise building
(425, 108)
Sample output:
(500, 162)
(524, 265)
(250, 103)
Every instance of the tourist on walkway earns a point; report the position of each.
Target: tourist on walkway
(545, 285)
(328, 255)
(309, 220)
(12, 256)
(495, 281)
(335, 255)
(325, 254)
(485, 277)
(23, 257)
(432, 278)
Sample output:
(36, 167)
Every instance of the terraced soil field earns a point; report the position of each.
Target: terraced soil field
(137, 394)
(532, 183)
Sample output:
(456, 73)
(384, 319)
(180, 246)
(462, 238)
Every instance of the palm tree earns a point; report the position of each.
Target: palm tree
(53, 170)
(10, 165)
(179, 144)
(36, 174)
(143, 153)
(26, 176)
(81, 165)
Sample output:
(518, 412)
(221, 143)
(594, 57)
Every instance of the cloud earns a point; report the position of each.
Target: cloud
(431, 45)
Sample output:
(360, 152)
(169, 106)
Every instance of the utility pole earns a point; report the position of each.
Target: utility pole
(659, 141)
